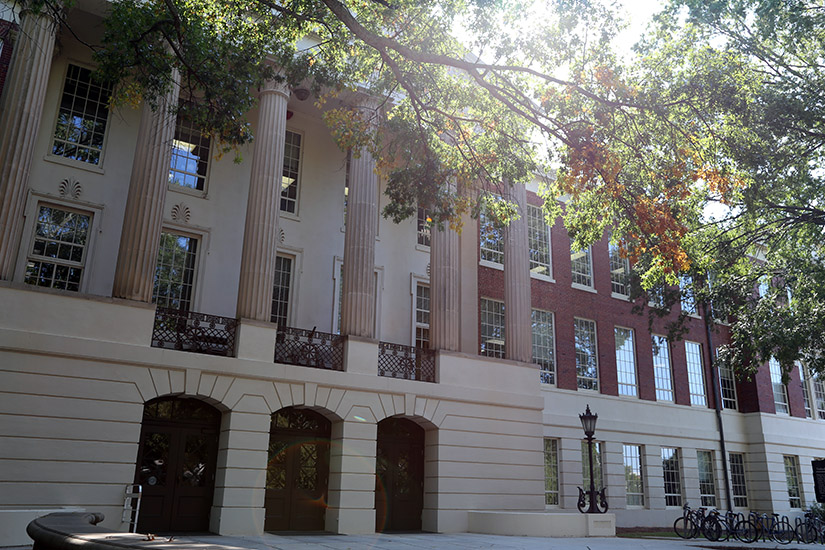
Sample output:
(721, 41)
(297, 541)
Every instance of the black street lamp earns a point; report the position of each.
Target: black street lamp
(597, 499)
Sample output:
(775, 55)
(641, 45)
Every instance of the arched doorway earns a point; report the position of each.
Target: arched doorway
(298, 471)
(399, 480)
(176, 464)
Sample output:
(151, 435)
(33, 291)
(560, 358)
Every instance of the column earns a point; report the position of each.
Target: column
(444, 289)
(358, 302)
(143, 218)
(260, 239)
(468, 288)
(517, 321)
(351, 497)
(21, 113)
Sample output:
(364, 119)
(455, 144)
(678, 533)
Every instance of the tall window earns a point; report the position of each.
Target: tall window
(491, 240)
(672, 470)
(58, 254)
(727, 383)
(281, 290)
(292, 164)
(587, 364)
(581, 264)
(696, 374)
(175, 271)
(780, 390)
(422, 316)
(598, 479)
(792, 477)
(819, 396)
(82, 117)
(687, 295)
(619, 271)
(539, 242)
(422, 226)
(544, 346)
(190, 155)
(492, 328)
(738, 481)
(661, 369)
(707, 484)
(551, 472)
(633, 474)
(625, 361)
(806, 392)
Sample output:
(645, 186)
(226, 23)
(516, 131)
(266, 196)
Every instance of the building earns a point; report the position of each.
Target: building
(234, 422)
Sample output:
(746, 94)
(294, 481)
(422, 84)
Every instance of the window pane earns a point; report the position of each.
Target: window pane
(58, 249)
(597, 465)
(671, 468)
(544, 347)
(491, 240)
(423, 227)
(792, 478)
(661, 368)
(625, 361)
(727, 383)
(738, 481)
(190, 155)
(539, 241)
(582, 267)
(780, 390)
(551, 472)
(587, 367)
(82, 117)
(175, 271)
(619, 271)
(289, 181)
(696, 374)
(633, 476)
(492, 328)
(281, 290)
(422, 316)
(707, 485)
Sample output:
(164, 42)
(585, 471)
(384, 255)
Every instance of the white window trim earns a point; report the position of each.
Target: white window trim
(200, 193)
(747, 496)
(579, 286)
(297, 255)
(415, 280)
(33, 201)
(338, 261)
(670, 370)
(635, 362)
(55, 106)
(202, 235)
(598, 378)
(541, 276)
(701, 373)
(555, 349)
(296, 216)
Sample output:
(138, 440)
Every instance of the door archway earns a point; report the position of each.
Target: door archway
(176, 464)
(399, 479)
(297, 473)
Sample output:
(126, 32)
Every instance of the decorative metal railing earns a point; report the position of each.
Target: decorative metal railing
(408, 362)
(195, 332)
(309, 348)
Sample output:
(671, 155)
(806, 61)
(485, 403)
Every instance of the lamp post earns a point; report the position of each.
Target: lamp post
(596, 499)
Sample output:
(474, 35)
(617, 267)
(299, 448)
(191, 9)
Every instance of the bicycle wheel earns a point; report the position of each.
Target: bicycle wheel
(684, 528)
(712, 528)
(745, 531)
(805, 533)
(782, 532)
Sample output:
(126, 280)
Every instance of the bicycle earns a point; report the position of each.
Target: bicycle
(776, 528)
(810, 529)
(685, 526)
(722, 527)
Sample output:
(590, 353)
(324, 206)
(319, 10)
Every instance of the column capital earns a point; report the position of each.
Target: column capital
(275, 86)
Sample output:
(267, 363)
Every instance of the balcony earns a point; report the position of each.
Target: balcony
(406, 362)
(309, 348)
(195, 332)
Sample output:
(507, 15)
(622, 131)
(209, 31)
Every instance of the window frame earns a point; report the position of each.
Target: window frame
(658, 370)
(197, 268)
(288, 321)
(696, 374)
(482, 350)
(423, 232)
(298, 180)
(598, 466)
(781, 402)
(726, 375)
(706, 458)
(573, 273)
(209, 162)
(484, 225)
(416, 282)
(793, 481)
(738, 479)
(534, 217)
(546, 376)
(614, 258)
(640, 459)
(676, 499)
(595, 338)
(621, 372)
(552, 456)
(687, 297)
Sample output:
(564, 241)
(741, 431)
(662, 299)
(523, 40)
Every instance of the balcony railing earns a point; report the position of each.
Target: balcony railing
(309, 348)
(195, 332)
(407, 362)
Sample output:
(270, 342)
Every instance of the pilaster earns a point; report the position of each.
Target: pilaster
(22, 110)
(351, 498)
(517, 321)
(444, 289)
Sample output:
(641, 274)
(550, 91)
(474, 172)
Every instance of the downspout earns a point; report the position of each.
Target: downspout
(714, 371)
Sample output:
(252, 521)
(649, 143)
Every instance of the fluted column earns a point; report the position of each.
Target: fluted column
(260, 237)
(445, 300)
(143, 218)
(517, 323)
(358, 302)
(22, 109)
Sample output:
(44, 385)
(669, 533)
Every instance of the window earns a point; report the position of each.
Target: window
(672, 471)
(492, 328)
(661, 368)
(491, 240)
(633, 476)
(707, 485)
(738, 481)
(619, 272)
(292, 164)
(806, 392)
(190, 155)
(598, 480)
(687, 295)
(727, 382)
(422, 316)
(582, 267)
(792, 477)
(780, 391)
(423, 227)
(539, 241)
(551, 472)
(281, 290)
(82, 117)
(544, 345)
(625, 361)
(58, 252)
(175, 271)
(587, 366)
(696, 374)
(819, 396)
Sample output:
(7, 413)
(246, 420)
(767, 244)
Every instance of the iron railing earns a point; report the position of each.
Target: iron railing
(195, 332)
(309, 348)
(407, 362)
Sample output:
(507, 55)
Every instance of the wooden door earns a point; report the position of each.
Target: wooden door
(399, 491)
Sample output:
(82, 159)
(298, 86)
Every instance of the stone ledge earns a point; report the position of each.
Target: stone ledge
(542, 524)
